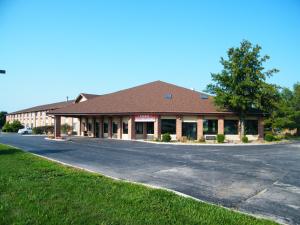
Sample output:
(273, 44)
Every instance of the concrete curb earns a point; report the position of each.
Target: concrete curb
(53, 139)
(207, 144)
(259, 216)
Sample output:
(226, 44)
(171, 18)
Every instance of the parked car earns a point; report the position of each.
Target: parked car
(26, 130)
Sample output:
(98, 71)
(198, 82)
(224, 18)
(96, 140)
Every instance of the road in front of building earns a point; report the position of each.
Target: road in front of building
(263, 180)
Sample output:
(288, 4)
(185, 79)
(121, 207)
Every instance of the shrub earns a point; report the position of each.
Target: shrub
(12, 127)
(220, 138)
(37, 130)
(166, 137)
(245, 139)
(269, 137)
(201, 140)
(66, 128)
(43, 130)
(183, 139)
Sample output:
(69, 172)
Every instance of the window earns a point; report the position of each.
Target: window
(150, 128)
(125, 128)
(189, 130)
(105, 127)
(230, 126)
(89, 126)
(139, 128)
(210, 126)
(168, 96)
(251, 127)
(115, 128)
(203, 96)
(168, 126)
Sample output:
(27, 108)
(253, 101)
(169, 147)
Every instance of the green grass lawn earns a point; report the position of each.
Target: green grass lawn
(38, 191)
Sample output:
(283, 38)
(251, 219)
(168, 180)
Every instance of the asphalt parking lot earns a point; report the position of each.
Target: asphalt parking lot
(263, 180)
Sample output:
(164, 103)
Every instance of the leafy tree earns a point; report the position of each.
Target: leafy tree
(2, 118)
(296, 107)
(12, 127)
(282, 116)
(287, 112)
(241, 85)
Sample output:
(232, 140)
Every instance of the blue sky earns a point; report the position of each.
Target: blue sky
(53, 49)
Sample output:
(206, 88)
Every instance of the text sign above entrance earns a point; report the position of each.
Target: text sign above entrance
(144, 118)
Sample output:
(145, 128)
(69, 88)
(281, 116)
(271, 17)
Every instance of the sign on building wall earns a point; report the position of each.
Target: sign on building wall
(144, 118)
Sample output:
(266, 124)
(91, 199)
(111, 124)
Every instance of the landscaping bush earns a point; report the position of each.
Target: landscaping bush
(245, 139)
(43, 130)
(201, 140)
(37, 130)
(220, 138)
(66, 128)
(269, 137)
(183, 139)
(166, 137)
(12, 127)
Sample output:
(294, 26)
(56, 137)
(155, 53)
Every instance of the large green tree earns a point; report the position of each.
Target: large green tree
(2, 118)
(241, 85)
(287, 112)
(296, 107)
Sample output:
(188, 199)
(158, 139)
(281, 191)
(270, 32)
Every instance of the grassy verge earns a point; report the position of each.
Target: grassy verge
(38, 191)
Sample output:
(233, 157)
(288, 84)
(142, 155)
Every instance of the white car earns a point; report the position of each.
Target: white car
(26, 130)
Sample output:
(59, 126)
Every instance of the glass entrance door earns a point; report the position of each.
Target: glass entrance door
(189, 130)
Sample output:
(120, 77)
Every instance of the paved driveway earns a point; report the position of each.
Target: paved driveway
(263, 180)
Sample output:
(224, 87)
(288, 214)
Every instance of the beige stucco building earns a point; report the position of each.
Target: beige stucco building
(37, 116)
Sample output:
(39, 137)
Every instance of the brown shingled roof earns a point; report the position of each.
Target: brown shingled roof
(148, 98)
(46, 107)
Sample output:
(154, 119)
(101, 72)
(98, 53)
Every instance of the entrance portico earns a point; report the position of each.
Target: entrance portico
(153, 126)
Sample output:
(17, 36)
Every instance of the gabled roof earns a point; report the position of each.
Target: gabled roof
(46, 107)
(85, 96)
(154, 97)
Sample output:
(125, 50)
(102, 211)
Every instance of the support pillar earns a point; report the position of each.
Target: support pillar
(145, 130)
(57, 127)
(93, 127)
(200, 128)
(79, 126)
(221, 125)
(260, 128)
(120, 128)
(157, 128)
(131, 128)
(178, 128)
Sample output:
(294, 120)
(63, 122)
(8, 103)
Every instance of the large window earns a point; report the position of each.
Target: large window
(251, 127)
(210, 126)
(125, 128)
(150, 128)
(139, 128)
(168, 126)
(231, 126)
(105, 127)
(115, 128)
(189, 130)
(89, 126)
